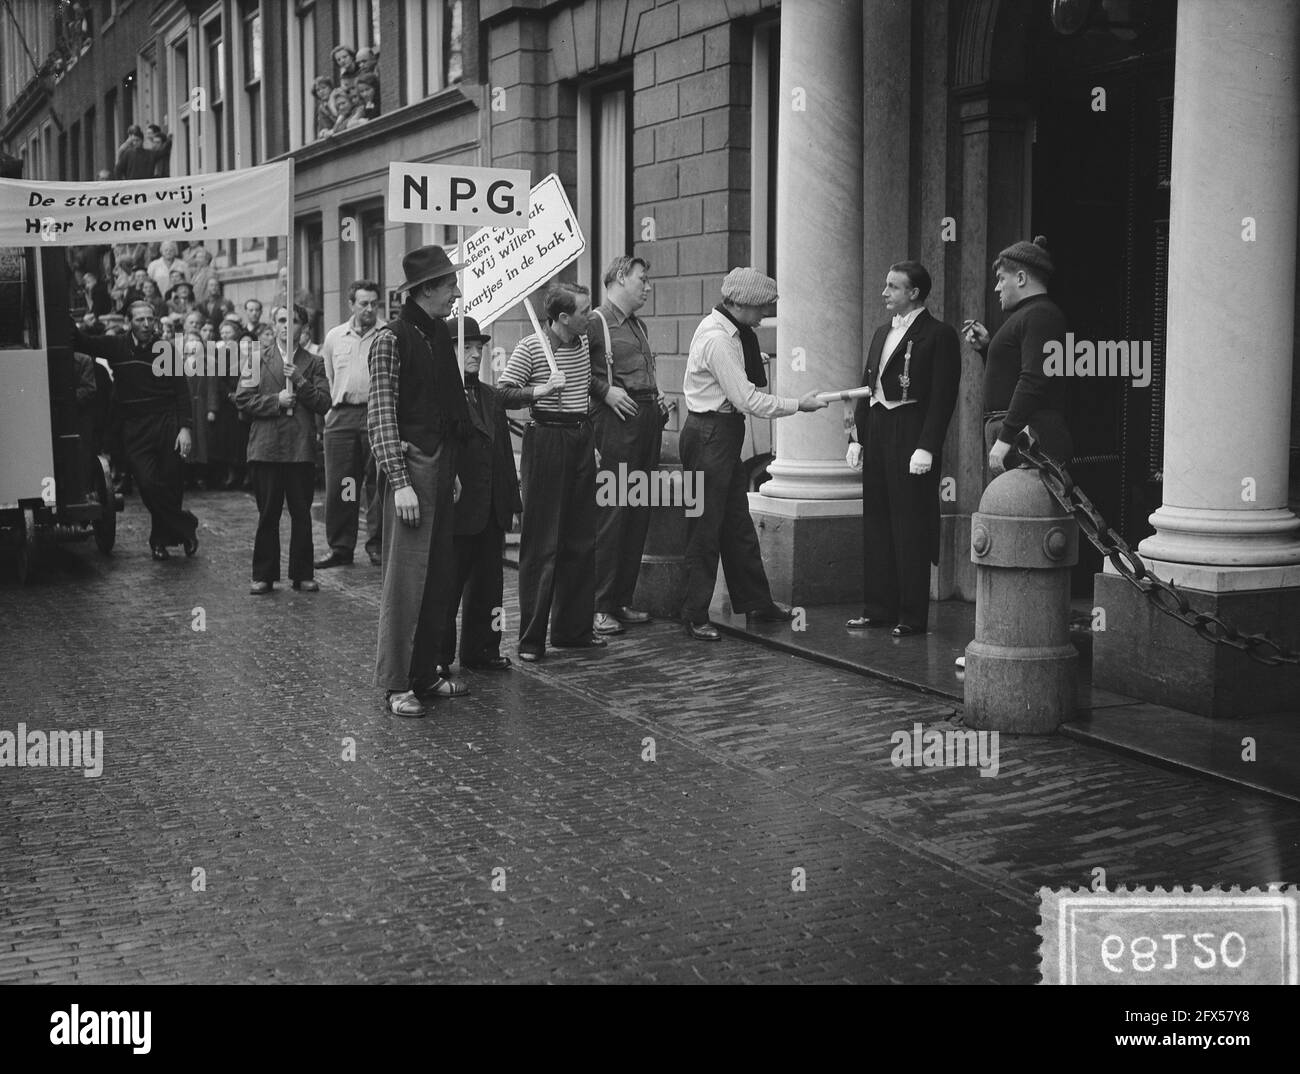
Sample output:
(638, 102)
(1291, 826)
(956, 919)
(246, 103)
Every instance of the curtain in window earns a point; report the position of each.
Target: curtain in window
(611, 179)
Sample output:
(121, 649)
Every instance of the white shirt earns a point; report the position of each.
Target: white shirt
(892, 340)
(715, 375)
(346, 355)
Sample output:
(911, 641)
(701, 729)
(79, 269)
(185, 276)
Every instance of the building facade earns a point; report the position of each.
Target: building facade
(819, 140)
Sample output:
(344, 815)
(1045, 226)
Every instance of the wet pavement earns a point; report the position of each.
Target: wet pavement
(523, 833)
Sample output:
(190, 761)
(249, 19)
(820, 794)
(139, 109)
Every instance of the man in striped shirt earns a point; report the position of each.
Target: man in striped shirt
(557, 538)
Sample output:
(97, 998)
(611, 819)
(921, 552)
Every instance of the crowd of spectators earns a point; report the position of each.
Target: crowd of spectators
(351, 97)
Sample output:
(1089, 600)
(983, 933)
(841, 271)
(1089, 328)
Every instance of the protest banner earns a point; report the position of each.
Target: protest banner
(250, 201)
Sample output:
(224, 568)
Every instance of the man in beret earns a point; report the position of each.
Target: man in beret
(723, 374)
(1018, 393)
(417, 419)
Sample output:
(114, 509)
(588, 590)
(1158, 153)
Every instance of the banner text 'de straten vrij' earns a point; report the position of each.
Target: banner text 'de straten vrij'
(250, 201)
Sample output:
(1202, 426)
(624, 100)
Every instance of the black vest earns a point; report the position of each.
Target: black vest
(419, 418)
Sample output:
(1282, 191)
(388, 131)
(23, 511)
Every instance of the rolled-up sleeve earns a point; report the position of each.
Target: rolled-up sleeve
(381, 410)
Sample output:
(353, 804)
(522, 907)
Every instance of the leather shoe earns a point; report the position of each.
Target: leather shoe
(631, 615)
(591, 643)
(703, 632)
(404, 704)
(375, 559)
(529, 658)
(258, 588)
(862, 622)
(159, 552)
(605, 623)
(307, 585)
(333, 560)
(495, 663)
(192, 545)
(903, 631)
(440, 688)
(773, 613)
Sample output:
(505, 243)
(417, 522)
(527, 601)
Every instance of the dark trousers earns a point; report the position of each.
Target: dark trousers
(900, 519)
(273, 484)
(621, 531)
(1047, 427)
(479, 589)
(710, 444)
(149, 442)
(348, 456)
(557, 536)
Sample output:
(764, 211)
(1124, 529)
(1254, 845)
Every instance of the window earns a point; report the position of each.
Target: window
(356, 23)
(604, 176)
(215, 80)
(51, 162)
(309, 264)
(20, 326)
(73, 170)
(252, 51)
(372, 245)
(185, 151)
(766, 95)
(88, 132)
(302, 73)
(431, 54)
(111, 137)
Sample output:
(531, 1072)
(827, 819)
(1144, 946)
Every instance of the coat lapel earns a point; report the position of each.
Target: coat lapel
(912, 331)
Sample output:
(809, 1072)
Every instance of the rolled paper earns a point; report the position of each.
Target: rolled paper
(847, 394)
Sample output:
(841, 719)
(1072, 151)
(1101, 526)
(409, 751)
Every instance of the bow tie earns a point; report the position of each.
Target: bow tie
(900, 321)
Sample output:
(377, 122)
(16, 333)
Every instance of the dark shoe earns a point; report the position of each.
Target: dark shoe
(631, 615)
(606, 624)
(444, 671)
(375, 559)
(495, 663)
(864, 622)
(159, 552)
(258, 588)
(192, 545)
(529, 658)
(442, 688)
(405, 704)
(773, 613)
(703, 632)
(333, 560)
(307, 585)
(593, 642)
(904, 631)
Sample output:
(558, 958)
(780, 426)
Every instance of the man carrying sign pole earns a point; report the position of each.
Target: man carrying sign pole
(550, 371)
(417, 418)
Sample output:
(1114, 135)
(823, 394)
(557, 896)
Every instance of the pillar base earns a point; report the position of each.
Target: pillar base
(1020, 690)
(1146, 654)
(1231, 538)
(812, 549)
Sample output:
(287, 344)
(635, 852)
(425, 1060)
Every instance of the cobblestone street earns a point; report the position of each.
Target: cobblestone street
(223, 751)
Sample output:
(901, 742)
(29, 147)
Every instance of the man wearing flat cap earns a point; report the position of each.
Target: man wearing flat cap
(1018, 393)
(723, 374)
(489, 500)
(417, 418)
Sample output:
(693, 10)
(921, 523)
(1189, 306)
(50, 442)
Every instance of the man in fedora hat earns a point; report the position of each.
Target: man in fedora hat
(724, 371)
(349, 462)
(489, 500)
(417, 418)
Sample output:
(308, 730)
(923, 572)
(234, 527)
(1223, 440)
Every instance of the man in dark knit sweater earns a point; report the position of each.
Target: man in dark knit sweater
(1017, 391)
(154, 407)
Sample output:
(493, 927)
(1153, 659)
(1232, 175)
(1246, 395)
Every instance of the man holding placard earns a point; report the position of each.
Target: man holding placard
(723, 374)
(550, 372)
(417, 418)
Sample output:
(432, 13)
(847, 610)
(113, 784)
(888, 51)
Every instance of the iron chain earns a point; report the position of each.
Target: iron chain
(1164, 596)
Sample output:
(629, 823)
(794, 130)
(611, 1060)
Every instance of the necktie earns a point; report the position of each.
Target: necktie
(898, 321)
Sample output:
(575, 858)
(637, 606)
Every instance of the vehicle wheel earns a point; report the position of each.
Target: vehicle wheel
(27, 550)
(756, 470)
(106, 526)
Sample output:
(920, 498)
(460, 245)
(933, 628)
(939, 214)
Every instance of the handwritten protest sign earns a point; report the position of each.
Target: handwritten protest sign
(250, 201)
(504, 265)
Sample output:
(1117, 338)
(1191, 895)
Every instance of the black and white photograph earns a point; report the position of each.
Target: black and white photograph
(649, 492)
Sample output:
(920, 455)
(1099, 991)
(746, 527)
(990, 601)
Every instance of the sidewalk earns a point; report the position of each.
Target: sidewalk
(1165, 736)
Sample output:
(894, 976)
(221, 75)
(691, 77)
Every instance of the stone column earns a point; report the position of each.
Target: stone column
(1224, 532)
(809, 513)
(1231, 302)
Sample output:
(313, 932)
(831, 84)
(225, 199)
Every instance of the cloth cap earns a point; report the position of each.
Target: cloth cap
(1033, 255)
(748, 287)
(473, 334)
